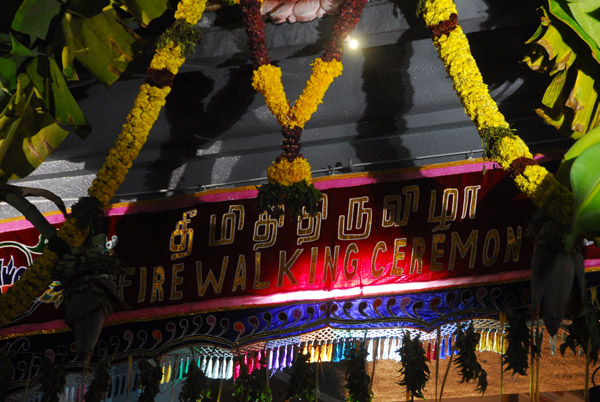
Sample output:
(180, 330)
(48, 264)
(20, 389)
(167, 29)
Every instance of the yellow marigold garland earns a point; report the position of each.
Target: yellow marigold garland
(140, 120)
(36, 279)
(267, 80)
(453, 47)
(190, 10)
(288, 173)
(323, 74)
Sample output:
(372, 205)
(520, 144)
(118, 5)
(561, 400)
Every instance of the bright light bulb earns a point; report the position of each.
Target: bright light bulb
(353, 44)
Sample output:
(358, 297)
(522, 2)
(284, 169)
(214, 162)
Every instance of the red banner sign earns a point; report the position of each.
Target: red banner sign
(408, 231)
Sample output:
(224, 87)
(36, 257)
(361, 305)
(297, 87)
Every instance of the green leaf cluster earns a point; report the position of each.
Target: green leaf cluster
(585, 328)
(53, 380)
(100, 383)
(83, 269)
(517, 334)
(414, 371)
(196, 385)
(254, 386)
(491, 137)
(150, 376)
(296, 199)
(466, 359)
(357, 380)
(181, 32)
(302, 385)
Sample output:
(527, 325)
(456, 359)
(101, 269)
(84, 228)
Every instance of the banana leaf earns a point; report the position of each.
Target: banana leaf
(145, 11)
(582, 100)
(102, 44)
(86, 8)
(48, 80)
(591, 138)
(583, 23)
(587, 14)
(67, 54)
(559, 52)
(585, 182)
(34, 17)
(555, 116)
(29, 133)
(65, 107)
(554, 92)
(20, 50)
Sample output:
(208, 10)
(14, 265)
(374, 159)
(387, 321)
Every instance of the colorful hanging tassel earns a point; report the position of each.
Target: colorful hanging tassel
(370, 351)
(386, 352)
(236, 371)
(230, 369)
(283, 362)
(336, 351)
(323, 354)
(270, 356)
(392, 353)
(398, 347)
(169, 370)
(428, 354)
(329, 352)
(443, 348)
(209, 367)
(216, 367)
(313, 353)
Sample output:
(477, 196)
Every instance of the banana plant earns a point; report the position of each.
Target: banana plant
(557, 266)
(40, 43)
(580, 170)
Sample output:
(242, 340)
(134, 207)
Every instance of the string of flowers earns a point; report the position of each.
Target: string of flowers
(171, 47)
(500, 142)
(290, 179)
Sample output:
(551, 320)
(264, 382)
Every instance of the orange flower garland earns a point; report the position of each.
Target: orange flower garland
(163, 67)
(509, 151)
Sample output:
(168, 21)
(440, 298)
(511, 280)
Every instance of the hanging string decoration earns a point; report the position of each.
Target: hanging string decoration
(290, 179)
(252, 386)
(302, 385)
(466, 359)
(501, 143)
(357, 379)
(53, 380)
(150, 376)
(414, 371)
(196, 385)
(584, 332)
(517, 351)
(169, 56)
(100, 383)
